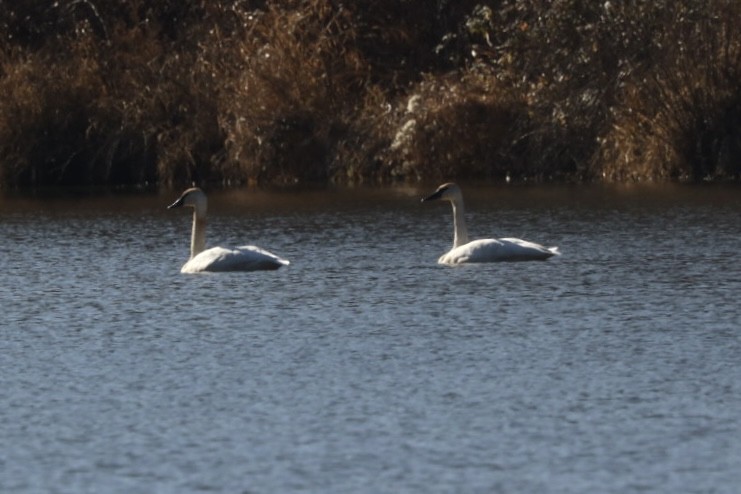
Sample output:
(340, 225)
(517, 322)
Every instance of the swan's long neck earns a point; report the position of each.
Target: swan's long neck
(460, 233)
(198, 235)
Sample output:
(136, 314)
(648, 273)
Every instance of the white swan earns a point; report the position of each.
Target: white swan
(485, 250)
(245, 258)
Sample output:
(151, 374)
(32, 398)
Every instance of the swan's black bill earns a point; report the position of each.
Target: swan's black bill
(434, 196)
(176, 204)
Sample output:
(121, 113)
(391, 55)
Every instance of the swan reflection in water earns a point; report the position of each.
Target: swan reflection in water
(484, 250)
(216, 259)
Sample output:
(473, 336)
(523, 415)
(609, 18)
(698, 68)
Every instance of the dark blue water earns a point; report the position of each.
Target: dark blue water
(364, 366)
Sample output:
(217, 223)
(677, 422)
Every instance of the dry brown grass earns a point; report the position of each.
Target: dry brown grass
(42, 98)
(454, 127)
(104, 92)
(295, 98)
(680, 118)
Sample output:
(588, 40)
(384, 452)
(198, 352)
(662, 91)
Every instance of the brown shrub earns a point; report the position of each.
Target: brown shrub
(680, 117)
(47, 117)
(454, 127)
(176, 92)
(296, 97)
(129, 108)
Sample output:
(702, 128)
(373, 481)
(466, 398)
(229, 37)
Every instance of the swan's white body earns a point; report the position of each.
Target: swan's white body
(484, 250)
(215, 259)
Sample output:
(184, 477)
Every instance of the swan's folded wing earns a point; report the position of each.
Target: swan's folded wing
(497, 250)
(486, 250)
(245, 258)
(530, 247)
(262, 257)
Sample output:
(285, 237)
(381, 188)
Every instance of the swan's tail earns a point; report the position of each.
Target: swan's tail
(554, 251)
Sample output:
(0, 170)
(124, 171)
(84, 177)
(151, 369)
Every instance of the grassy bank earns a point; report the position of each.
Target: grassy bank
(109, 92)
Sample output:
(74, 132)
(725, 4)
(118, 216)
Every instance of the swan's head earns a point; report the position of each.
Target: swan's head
(194, 198)
(446, 192)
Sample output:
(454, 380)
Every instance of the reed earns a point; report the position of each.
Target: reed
(295, 98)
(104, 92)
(679, 117)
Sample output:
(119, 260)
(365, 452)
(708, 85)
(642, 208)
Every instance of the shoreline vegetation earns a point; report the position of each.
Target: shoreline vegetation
(105, 92)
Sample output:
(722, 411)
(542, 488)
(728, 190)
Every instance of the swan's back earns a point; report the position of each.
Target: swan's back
(245, 258)
(498, 250)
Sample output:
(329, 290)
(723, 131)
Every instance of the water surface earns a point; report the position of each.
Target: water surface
(364, 366)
